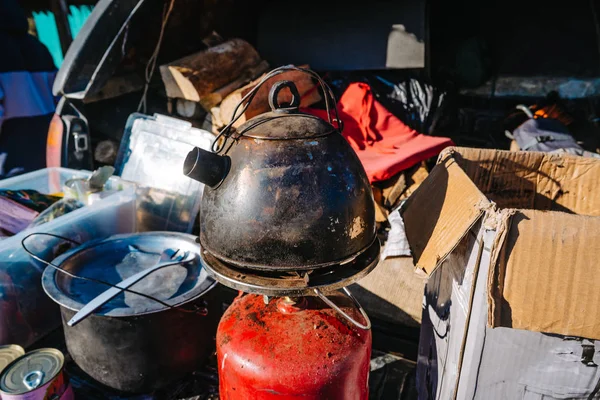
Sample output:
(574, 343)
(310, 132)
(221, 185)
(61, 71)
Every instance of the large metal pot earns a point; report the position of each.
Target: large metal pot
(132, 343)
(285, 191)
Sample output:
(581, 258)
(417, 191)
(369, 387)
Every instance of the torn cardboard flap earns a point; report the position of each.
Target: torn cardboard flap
(440, 212)
(544, 212)
(500, 223)
(533, 180)
(546, 278)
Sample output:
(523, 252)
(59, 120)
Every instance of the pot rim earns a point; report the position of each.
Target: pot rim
(58, 296)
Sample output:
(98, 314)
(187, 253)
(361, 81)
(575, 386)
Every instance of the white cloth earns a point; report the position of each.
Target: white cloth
(397, 243)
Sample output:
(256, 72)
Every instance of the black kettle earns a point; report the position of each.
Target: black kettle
(284, 191)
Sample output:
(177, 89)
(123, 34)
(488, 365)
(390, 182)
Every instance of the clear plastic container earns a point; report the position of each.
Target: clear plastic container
(50, 180)
(152, 153)
(26, 313)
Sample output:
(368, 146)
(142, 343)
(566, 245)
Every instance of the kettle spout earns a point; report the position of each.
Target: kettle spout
(206, 167)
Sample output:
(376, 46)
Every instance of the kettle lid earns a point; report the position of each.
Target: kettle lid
(285, 121)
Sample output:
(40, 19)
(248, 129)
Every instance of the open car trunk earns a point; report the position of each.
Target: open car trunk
(120, 36)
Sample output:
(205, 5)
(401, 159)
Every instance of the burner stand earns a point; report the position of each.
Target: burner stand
(292, 283)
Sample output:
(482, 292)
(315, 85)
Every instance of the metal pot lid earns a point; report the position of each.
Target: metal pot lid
(285, 121)
(119, 257)
(31, 371)
(8, 354)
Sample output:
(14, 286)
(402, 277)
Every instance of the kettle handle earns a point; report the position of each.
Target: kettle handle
(330, 104)
(274, 94)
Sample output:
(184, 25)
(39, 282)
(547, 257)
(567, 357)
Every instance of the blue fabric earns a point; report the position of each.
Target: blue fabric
(26, 101)
(26, 94)
(77, 17)
(48, 32)
(26, 69)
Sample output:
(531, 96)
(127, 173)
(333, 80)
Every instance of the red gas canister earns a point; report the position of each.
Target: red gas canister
(292, 348)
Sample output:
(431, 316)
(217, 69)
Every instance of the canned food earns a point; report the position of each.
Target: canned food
(37, 375)
(8, 354)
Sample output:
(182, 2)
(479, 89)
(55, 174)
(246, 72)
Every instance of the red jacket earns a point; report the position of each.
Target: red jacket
(384, 144)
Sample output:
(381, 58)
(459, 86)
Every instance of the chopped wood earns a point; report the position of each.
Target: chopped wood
(381, 213)
(415, 177)
(392, 190)
(217, 124)
(198, 75)
(215, 98)
(388, 194)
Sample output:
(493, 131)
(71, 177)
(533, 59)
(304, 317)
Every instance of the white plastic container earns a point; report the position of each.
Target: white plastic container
(152, 152)
(26, 313)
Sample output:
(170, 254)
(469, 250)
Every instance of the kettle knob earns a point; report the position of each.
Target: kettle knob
(274, 95)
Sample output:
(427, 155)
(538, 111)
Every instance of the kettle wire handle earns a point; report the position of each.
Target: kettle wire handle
(331, 304)
(330, 104)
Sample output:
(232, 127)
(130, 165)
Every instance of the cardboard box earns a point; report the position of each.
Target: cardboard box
(510, 241)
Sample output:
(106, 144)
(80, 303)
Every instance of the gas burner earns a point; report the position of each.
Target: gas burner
(292, 283)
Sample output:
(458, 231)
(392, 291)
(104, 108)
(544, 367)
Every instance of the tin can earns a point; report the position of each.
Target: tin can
(37, 375)
(8, 354)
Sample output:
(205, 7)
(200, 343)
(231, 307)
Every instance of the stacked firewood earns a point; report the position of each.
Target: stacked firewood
(216, 79)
